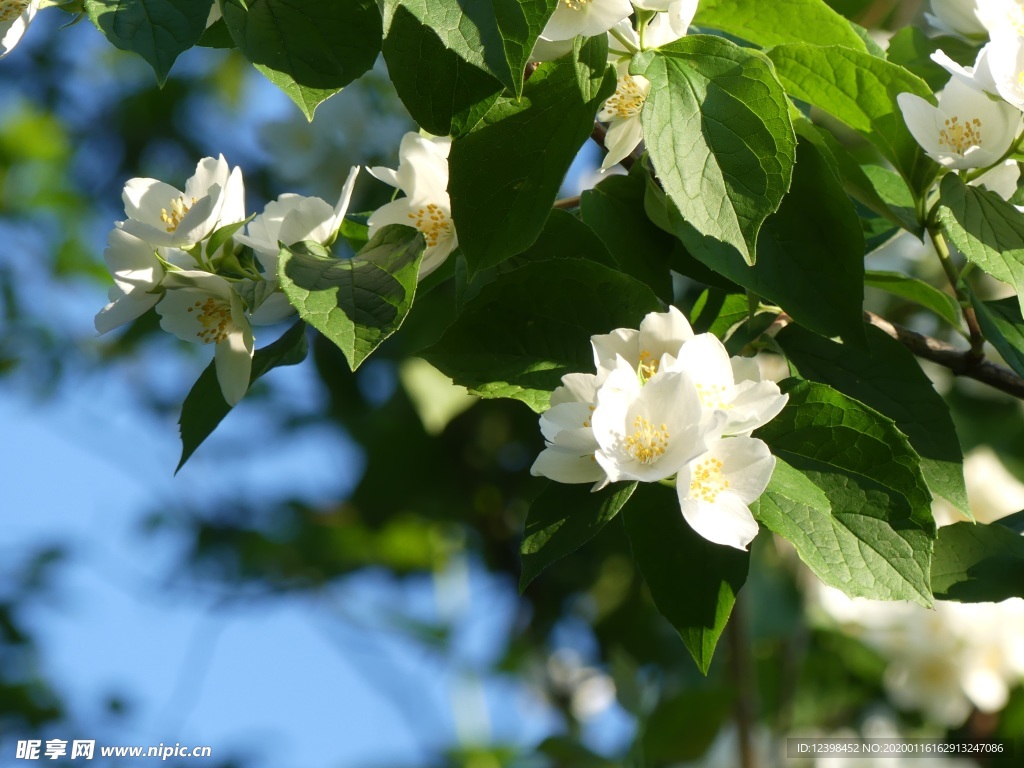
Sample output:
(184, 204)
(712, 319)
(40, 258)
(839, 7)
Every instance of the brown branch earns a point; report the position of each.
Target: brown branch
(961, 362)
(567, 203)
(742, 674)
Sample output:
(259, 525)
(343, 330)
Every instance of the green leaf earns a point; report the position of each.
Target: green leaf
(917, 291)
(496, 37)
(444, 94)
(528, 328)
(310, 49)
(717, 128)
(157, 30)
(770, 22)
(683, 727)
(564, 518)
(204, 407)
(356, 303)
(506, 173)
(614, 209)
(1003, 327)
(885, 375)
(859, 90)
(810, 258)
(870, 474)
(986, 229)
(911, 48)
(976, 563)
(896, 195)
(694, 582)
(716, 312)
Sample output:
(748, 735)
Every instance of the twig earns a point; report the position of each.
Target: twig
(743, 680)
(961, 362)
(567, 203)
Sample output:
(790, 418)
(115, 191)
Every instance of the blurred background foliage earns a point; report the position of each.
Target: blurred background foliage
(430, 487)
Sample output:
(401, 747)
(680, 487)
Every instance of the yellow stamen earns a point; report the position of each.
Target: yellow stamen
(628, 99)
(706, 481)
(178, 210)
(960, 136)
(214, 315)
(647, 443)
(12, 9)
(433, 222)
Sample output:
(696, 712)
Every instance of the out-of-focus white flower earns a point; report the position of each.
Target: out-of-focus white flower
(164, 216)
(589, 690)
(966, 130)
(957, 16)
(1000, 16)
(15, 16)
(203, 308)
(422, 175)
(991, 490)
(584, 17)
(137, 271)
(1002, 67)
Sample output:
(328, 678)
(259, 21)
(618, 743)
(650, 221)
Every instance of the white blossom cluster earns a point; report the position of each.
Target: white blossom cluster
(959, 656)
(665, 403)
(183, 251)
(977, 120)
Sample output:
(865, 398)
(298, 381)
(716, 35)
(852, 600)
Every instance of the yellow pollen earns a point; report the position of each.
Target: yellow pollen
(12, 9)
(713, 396)
(648, 365)
(707, 482)
(214, 315)
(628, 99)
(178, 210)
(960, 136)
(647, 443)
(577, 5)
(432, 222)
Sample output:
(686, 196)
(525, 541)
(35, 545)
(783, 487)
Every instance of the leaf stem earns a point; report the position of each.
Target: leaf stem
(942, 250)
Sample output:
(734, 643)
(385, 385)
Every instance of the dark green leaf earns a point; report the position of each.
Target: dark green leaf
(810, 258)
(564, 518)
(716, 312)
(357, 302)
(717, 127)
(770, 22)
(986, 229)
(157, 30)
(870, 474)
(917, 291)
(204, 407)
(310, 49)
(531, 326)
(526, 147)
(1002, 325)
(693, 582)
(683, 727)
(976, 563)
(859, 90)
(885, 376)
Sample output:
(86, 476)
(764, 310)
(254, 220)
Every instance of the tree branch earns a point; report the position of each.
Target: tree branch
(961, 362)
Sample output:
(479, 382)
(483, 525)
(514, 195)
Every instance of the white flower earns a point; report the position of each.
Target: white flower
(622, 113)
(584, 17)
(730, 385)
(1001, 179)
(202, 308)
(1001, 16)
(137, 273)
(423, 176)
(569, 437)
(15, 16)
(716, 489)
(660, 333)
(162, 215)
(956, 16)
(670, 24)
(1004, 66)
(649, 431)
(966, 130)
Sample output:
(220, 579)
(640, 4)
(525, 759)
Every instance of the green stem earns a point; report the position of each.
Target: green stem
(955, 280)
(626, 43)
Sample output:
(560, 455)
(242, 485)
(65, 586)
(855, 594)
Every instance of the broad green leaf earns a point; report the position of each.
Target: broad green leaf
(986, 229)
(717, 128)
(310, 49)
(564, 518)
(526, 147)
(204, 407)
(444, 93)
(917, 291)
(694, 583)
(1003, 327)
(773, 22)
(157, 30)
(614, 209)
(716, 312)
(495, 37)
(869, 472)
(531, 326)
(859, 90)
(893, 190)
(885, 375)
(356, 303)
(810, 257)
(976, 563)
